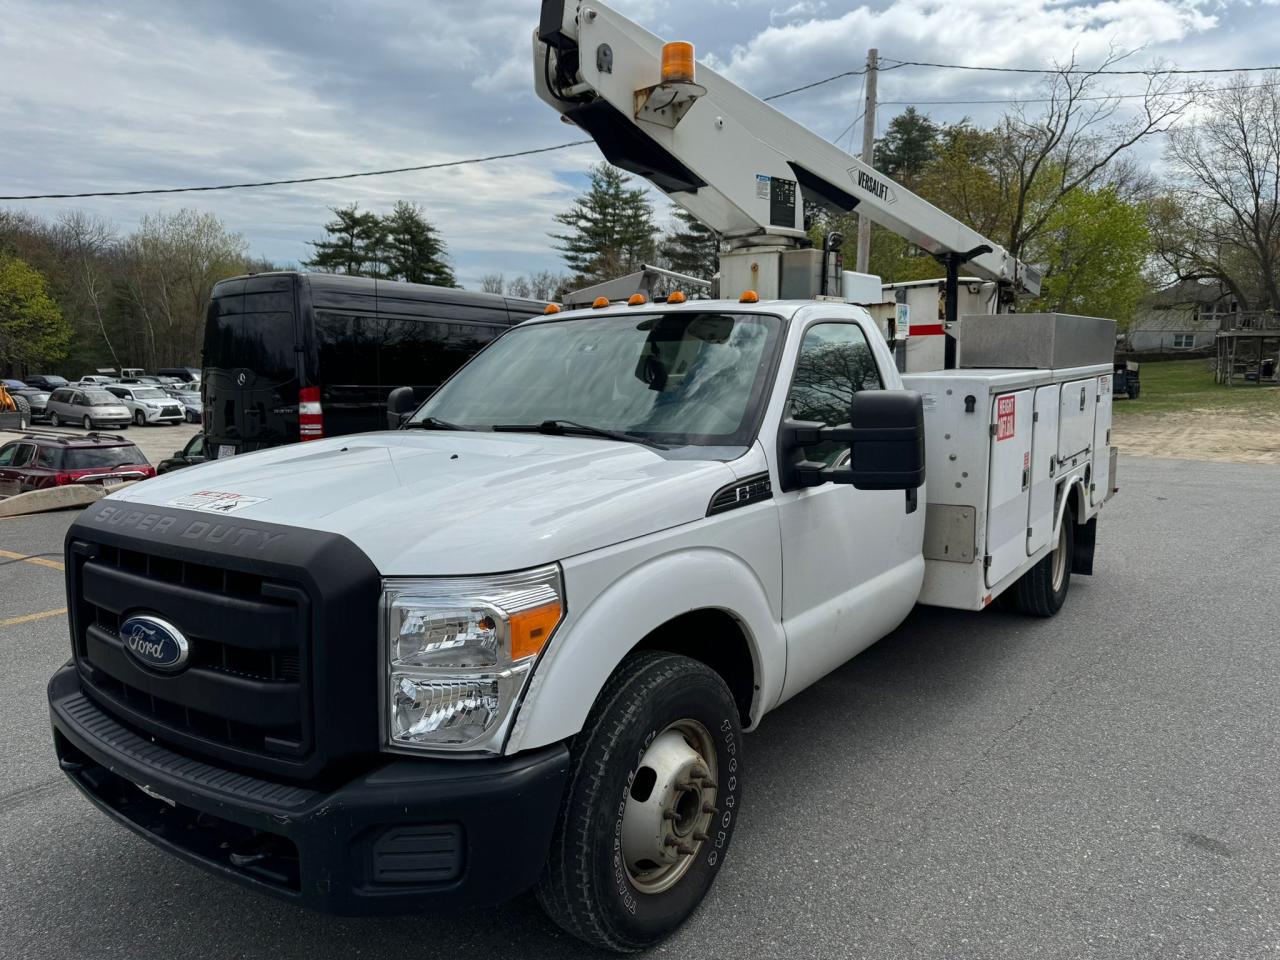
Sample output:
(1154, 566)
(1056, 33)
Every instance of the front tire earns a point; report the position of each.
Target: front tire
(1042, 590)
(88, 422)
(654, 794)
(138, 418)
(54, 421)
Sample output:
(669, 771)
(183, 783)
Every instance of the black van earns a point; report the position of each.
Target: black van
(299, 356)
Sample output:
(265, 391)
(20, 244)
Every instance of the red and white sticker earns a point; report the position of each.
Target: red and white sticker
(1006, 417)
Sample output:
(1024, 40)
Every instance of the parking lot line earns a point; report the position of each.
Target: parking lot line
(38, 561)
(32, 617)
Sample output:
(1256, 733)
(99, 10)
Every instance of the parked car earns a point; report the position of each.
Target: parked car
(298, 356)
(192, 405)
(14, 384)
(88, 406)
(145, 378)
(37, 461)
(15, 414)
(36, 398)
(185, 374)
(45, 381)
(189, 455)
(96, 379)
(147, 404)
(131, 372)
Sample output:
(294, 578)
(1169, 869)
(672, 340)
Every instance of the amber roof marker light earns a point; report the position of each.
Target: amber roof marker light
(749, 296)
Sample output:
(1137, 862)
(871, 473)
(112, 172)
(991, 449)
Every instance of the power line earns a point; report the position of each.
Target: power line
(1114, 96)
(816, 83)
(367, 173)
(279, 183)
(1151, 72)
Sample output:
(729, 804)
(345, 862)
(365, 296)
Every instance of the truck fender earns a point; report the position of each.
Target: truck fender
(590, 644)
(1072, 487)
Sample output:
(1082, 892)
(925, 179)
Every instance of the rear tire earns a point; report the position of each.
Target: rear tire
(1042, 590)
(658, 763)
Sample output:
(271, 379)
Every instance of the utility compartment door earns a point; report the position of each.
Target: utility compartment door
(1076, 416)
(1044, 451)
(1101, 483)
(1009, 487)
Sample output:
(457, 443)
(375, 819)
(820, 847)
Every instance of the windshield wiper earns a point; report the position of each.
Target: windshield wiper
(561, 428)
(432, 423)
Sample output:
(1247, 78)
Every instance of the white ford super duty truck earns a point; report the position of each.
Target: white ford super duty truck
(516, 642)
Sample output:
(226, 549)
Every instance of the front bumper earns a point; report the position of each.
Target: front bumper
(154, 415)
(109, 421)
(409, 836)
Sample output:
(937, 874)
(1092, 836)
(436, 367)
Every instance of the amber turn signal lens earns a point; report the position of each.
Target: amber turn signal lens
(749, 296)
(601, 303)
(552, 308)
(530, 630)
(677, 62)
(677, 297)
(637, 300)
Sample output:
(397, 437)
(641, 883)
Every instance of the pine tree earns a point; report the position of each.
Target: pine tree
(907, 147)
(354, 245)
(691, 247)
(610, 228)
(414, 251)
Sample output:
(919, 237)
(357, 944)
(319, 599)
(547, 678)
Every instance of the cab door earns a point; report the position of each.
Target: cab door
(844, 551)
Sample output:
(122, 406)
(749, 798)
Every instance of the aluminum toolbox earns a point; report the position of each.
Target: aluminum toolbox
(1052, 341)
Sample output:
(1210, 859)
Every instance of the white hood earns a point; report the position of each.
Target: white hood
(453, 503)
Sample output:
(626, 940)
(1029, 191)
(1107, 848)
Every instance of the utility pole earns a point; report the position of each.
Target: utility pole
(868, 154)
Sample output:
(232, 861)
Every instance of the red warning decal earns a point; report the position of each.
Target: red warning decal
(1006, 417)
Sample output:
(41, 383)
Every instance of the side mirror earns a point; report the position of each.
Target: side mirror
(887, 440)
(400, 403)
(885, 436)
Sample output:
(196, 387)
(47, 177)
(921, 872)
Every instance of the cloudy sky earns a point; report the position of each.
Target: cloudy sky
(145, 93)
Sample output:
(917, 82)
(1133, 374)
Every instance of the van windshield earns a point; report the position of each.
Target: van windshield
(683, 378)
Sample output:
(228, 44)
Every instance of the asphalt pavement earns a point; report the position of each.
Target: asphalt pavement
(1103, 784)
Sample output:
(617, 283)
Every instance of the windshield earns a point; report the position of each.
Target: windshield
(100, 398)
(149, 393)
(87, 458)
(677, 378)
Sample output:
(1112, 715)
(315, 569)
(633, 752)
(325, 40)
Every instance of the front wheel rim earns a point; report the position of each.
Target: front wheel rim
(1060, 558)
(669, 808)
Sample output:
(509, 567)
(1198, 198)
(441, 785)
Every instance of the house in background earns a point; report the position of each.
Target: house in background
(1184, 316)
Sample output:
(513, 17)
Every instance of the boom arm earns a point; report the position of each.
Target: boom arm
(731, 160)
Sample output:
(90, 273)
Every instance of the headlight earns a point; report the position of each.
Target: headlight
(457, 653)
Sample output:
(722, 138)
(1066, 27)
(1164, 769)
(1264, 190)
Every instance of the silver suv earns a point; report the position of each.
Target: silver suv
(147, 404)
(87, 406)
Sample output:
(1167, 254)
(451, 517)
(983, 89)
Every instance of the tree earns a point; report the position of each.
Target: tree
(520, 287)
(355, 244)
(171, 264)
(907, 146)
(88, 244)
(413, 249)
(610, 228)
(547, 286)
(33, 331)
(1094, 249)
(1222, 219)
(691, 247)
(492, 283)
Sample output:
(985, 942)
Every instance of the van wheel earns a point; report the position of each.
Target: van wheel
(88, 422)
(54, 421)
(654, 794)
(1042, 590)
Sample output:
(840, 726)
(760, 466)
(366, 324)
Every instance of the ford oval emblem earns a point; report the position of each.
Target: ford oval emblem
(155, 643)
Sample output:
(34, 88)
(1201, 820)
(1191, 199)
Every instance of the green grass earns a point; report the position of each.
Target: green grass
(1180, 385)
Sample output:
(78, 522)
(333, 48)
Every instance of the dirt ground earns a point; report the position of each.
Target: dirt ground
(1228, 436)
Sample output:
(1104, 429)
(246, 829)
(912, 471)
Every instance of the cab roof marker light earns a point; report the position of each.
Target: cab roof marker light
(551, 308)
(600, 303)
(676, 297)
(637, 300)
(749, 296)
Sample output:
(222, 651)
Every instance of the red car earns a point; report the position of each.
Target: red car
(42, 460)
